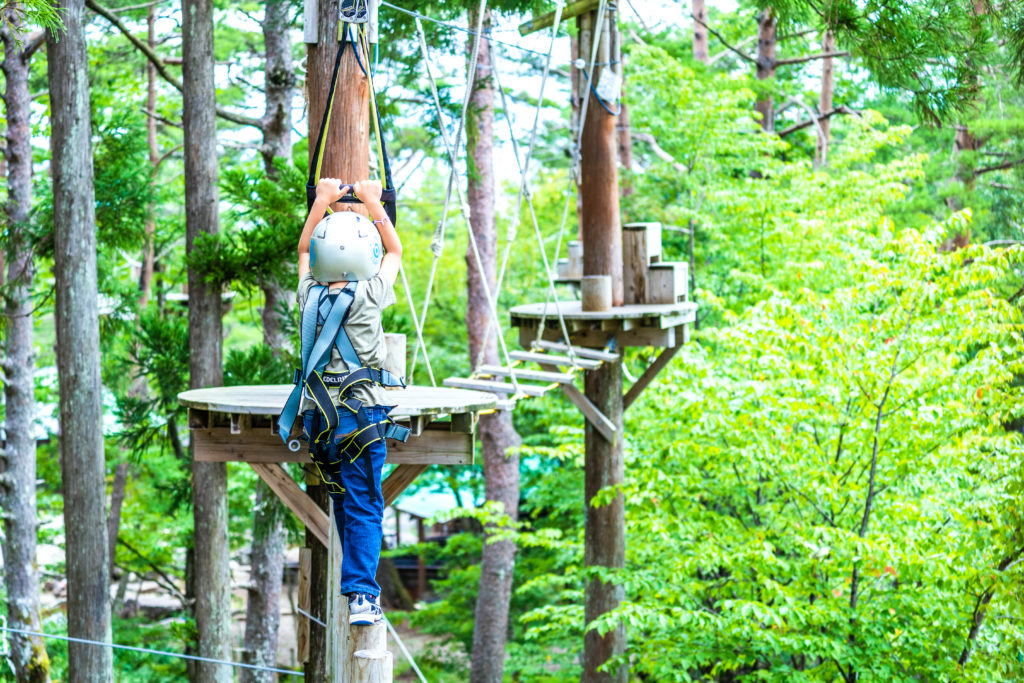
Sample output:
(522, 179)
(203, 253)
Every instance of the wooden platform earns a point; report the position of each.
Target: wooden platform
(239, 424)
(661, 325)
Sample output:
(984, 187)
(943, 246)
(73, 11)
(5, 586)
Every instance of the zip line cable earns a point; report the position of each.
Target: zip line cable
(149, 651)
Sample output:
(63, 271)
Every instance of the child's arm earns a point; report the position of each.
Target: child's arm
(368, 192)
(328, 191)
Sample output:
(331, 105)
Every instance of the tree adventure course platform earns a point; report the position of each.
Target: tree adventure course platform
(239, 424)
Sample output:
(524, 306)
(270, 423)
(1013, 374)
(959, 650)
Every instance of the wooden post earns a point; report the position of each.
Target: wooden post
(600, 222)
(601, 231)
(346, 640)
(346, 156)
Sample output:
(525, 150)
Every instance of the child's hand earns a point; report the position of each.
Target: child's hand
(330, 190)
(368, 191)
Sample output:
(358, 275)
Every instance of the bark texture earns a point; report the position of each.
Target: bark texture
(209, 480)
(78, 349)
(828, 85)
(18, 458)
(605, 526)
(347, 156)
(600, 221)
(498, 439)
(766, 44)
(262, 612)
(700, 31)
(148, 252)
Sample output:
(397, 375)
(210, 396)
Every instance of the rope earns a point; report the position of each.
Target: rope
(438, 244)
(146, 650)
(456, 27)
(524, 189)
(401, 646)
(577, 150)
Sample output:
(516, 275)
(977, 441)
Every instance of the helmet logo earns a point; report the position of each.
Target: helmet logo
(376, 251)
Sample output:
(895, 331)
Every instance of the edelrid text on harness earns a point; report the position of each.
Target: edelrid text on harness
(329, 312)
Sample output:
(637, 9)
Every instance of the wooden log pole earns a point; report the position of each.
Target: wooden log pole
(596, 292)
(347, 157)
(599, 181)
(372, 666)
(600, 225)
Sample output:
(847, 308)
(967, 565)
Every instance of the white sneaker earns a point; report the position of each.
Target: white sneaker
(364, 609)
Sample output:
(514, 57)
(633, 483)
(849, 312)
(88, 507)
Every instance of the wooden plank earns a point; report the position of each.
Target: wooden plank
(437, 445)
(593, 354)
(648, 376)
(302, 630)
(399, 480)
(433, 446)
(295, 498)
(594, 416)
(522, 373)
(270, 398)
(572, 310)
(551, 360)
(667, 282)
(464, 423)
(496, 387)
(639, 336)
(568, 12)
(641, 245)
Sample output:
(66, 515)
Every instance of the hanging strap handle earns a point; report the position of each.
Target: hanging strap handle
(389, 196)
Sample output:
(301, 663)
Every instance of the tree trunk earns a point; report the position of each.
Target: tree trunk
(148, 253)
(262, 612)
(700, 32)
(766, 35)
(346, 156)
(498, 439)
(828, 83)
(605, 526)
(209, 480)
(262, 615)
(78, 349)
(600, 221)
(117, 492)
(18, 458)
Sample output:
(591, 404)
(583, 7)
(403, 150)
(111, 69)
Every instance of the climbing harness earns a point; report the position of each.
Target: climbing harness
(328, 313)
(389, 196)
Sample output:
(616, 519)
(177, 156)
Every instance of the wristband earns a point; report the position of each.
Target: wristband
(382, 221)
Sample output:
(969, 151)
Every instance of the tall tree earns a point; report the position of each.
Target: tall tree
(766, 46)
(262, 615)
(700, 31)
(78, 347)
(18, 458)
(498, 438)
(825, 101)
(209, 480)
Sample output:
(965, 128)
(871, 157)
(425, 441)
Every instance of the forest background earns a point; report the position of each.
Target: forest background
(825, 484)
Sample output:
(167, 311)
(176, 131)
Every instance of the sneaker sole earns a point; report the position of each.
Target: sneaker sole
(361, 620)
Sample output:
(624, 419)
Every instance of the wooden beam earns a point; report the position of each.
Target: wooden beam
(596, 417)
(495, 387)
(302, 632)
(399, 480)
(579, 351)
(548, 359)
(433, 446)
(571, 10)
(295, 498)
(523, 373)
(649, 374)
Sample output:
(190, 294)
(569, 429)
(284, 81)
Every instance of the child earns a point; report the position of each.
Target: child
(344, 416)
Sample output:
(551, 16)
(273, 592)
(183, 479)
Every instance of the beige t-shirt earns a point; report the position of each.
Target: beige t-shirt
(364, 331)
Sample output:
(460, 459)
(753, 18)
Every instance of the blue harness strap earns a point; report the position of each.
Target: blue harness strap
(330, 312)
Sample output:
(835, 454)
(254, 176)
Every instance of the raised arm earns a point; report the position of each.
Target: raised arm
(368, 192)
(328, 191)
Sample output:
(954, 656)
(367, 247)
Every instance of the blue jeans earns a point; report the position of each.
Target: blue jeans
(359, 512)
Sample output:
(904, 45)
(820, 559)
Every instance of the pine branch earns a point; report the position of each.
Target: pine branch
(161, 64)
(809, 58)
(718, 35)
(810, 122)
(999, 167)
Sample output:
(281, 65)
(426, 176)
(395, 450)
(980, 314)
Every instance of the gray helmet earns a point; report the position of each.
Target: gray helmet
(345, 246)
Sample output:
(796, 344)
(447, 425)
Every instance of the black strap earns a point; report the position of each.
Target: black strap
(389, 195)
